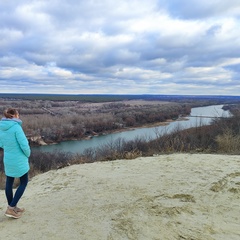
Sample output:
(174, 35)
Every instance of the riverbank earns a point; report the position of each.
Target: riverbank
(178, 196)
(39, 141)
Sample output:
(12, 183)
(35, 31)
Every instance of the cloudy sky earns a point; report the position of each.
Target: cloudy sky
(120, 47)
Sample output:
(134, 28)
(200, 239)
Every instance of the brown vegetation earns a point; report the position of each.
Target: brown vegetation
(72, 121)
(55, 121)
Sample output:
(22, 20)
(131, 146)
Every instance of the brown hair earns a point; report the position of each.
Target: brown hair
(10, 112)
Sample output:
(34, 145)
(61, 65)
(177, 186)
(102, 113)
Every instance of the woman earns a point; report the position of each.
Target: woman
(16, 153)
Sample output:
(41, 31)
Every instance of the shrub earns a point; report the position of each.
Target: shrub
(228, 142)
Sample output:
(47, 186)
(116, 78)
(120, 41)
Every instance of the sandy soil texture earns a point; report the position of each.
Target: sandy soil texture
(177, 196)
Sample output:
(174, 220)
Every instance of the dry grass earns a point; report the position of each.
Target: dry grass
(228, 142)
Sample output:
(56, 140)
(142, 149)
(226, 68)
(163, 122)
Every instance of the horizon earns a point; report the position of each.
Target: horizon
(128, 94)
(24, 95)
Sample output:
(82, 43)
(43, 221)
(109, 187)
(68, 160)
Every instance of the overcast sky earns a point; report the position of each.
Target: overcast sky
(120, 47)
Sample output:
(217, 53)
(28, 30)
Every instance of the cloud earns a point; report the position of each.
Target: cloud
(132, 47)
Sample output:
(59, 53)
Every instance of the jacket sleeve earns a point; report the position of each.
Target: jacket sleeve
(23, 142)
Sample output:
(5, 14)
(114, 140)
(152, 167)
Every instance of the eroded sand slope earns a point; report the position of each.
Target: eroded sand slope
(178, 196)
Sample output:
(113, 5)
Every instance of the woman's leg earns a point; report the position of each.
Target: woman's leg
(20, 190)
(9, 189)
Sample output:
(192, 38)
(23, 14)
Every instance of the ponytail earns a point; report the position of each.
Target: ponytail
(10, 112)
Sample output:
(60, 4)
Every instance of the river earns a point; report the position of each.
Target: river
(203, 114)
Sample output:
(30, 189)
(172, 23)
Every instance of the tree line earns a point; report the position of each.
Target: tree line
(55, 121)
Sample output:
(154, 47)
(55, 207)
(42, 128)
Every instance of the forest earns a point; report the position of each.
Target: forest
(55, 121)
(54, 118)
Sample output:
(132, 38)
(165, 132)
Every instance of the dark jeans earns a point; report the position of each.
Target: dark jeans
(13, 200)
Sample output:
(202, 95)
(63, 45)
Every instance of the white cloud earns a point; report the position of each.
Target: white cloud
(155, 46)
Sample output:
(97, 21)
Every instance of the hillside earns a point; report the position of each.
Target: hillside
(178, 196)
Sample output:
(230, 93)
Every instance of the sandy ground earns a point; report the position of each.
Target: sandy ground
(179, 196)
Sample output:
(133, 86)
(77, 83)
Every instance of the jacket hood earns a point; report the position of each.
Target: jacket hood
(7, 123)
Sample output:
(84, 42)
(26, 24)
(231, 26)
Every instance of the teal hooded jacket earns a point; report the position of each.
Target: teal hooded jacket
(15, 146)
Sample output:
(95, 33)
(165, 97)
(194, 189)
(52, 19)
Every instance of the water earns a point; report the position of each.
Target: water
(147, 133)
